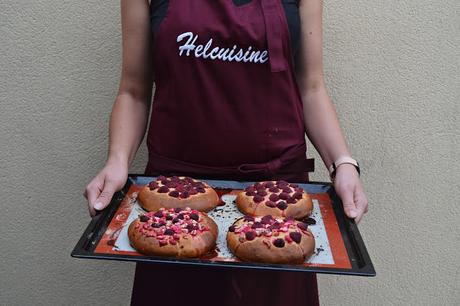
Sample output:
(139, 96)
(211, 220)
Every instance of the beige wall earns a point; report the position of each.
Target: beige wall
(392, 69)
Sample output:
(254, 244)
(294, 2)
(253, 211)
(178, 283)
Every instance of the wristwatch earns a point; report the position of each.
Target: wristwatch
(340, 161)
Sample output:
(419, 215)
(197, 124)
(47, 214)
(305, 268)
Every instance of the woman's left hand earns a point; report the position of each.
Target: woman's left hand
(349, 188)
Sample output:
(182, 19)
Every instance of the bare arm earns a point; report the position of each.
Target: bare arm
(322, 125)
(321, 122)
(129, 117)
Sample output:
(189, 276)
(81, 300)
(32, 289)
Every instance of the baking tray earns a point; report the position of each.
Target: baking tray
(340, 248)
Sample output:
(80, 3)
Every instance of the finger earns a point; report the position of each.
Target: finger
(105, 196)
(92, 192)
(348, 203)
(361, 205)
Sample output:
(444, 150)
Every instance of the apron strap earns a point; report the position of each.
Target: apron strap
(273, 26)
(292, 161)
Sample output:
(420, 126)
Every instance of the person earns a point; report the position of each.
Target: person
(238, 84)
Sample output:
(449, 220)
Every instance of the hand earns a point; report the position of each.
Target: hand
(101, 189)
(348, 187)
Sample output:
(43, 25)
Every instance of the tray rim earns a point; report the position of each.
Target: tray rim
(354, 244)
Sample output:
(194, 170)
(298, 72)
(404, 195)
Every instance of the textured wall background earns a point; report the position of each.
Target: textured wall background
(392, 69)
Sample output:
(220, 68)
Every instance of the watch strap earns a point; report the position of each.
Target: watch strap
(340, 161)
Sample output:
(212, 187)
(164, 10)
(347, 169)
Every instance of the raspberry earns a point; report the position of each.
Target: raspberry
(287, 190)
(296, 236)
(284, 196)
(257, 225)
(273, 189)
(258, 185)
(192, 192)
(169, 217)
(275, 226)
(153, 185)
(249, 188)
(297, 195)
(231, 228)
(293, 185)
(174, 194)
(258, 198)
(163, 242)
(270, 204)
(248, 218)
(178, 210)
(180, 188)
(282, 205)
(282, 184)
(279, 243)
(175, 220)
(201, 190)
(198, 184)
(291, 200)
(171, 184)
(273, 197)
(144, 218)
(302, 226)
(261, 192)
(250, 235)
(163, 189)
(188, 179)
(192, 227)
(184, 194)
(194, 216)
(250, 193)
(267, 219)
(158, 214)
(169, 232)
(180, 216)
(156, 225)
(269, 184)
(175, 179)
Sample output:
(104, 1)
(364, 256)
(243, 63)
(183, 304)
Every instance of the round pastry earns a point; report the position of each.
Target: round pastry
(270, 240)
(276, 198)
(171, 192)
(173, 232)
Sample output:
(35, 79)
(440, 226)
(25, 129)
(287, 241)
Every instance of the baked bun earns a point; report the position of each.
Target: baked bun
(270, 240)
(276, 198)
(173, 232)
(177, 191)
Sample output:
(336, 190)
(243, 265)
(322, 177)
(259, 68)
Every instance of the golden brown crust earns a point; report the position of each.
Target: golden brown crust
(263, 248)
(298, 210)
(152, 200)
(187, 245)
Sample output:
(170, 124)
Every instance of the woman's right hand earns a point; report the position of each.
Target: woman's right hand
(100, 190)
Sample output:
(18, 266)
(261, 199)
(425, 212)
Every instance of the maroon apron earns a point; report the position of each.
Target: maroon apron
(226, 106)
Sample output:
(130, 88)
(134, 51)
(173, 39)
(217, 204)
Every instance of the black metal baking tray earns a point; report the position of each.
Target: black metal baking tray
(358, 256)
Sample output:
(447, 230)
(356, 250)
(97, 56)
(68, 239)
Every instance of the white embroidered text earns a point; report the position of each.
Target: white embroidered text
(235, 53)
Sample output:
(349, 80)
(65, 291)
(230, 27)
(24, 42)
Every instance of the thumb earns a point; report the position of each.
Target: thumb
(349, 204)
(105, 196)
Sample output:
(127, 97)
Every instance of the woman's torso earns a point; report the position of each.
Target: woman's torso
(209, 113)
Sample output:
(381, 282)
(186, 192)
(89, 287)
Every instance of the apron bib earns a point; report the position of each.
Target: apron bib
(226, 101)
(226, 106)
